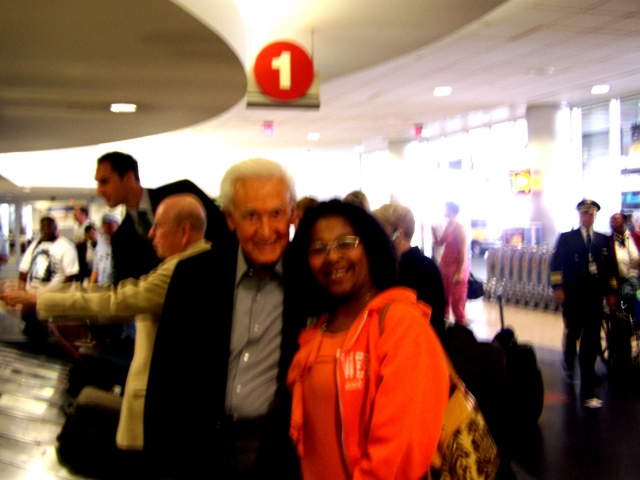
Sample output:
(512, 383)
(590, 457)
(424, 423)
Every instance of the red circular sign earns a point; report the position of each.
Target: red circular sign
(283, 71)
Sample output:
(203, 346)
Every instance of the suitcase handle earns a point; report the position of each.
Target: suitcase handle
(501, 312)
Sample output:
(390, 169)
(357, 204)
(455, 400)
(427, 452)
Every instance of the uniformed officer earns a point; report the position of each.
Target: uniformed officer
(581, 277)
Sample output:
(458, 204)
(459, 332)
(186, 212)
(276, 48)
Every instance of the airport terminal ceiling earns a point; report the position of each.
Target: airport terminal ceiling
(65, 62)
(499, 57)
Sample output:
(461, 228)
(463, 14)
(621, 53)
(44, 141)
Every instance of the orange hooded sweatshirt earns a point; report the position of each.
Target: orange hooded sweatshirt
(393, 388)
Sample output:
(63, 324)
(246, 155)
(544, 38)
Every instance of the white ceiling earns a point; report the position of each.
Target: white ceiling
(379, 61)
(63, 62)
(499, 63)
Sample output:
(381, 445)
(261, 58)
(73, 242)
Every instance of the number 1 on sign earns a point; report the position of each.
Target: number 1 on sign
(283, 65)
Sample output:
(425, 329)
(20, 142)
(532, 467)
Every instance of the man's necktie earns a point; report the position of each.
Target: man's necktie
(588, 241)
(144, 224)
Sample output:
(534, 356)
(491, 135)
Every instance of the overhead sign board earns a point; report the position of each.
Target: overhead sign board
(283, 75)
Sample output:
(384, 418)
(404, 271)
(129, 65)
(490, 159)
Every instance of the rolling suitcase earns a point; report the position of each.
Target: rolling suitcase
(525, 388)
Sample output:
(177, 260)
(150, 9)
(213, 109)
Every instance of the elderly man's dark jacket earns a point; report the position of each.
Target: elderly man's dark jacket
(184, 423)
(133, 255)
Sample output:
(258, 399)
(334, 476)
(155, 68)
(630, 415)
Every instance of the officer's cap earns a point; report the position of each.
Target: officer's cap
(587, 205)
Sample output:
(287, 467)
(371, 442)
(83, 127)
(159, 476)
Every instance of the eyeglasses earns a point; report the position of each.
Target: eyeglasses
(159, 225)
(342, 244)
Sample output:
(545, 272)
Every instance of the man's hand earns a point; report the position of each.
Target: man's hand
(12, 284)
(19, 297)
(559, 293)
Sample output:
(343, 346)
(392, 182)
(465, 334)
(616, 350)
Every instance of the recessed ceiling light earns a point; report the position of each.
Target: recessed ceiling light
(313, 136)
(123, 107)
(600, 89)
(542, 71)
(442, 91)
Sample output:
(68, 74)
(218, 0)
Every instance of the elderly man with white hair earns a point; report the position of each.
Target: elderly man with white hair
(217, 397)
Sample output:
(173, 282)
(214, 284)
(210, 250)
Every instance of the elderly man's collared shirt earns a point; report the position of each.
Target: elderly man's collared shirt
(256, 335)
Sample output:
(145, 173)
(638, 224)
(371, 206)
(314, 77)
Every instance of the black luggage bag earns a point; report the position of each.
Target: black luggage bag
(525, 388)
(86, 443)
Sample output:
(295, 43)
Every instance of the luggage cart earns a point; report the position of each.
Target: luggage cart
(547, 298)
(493, 260)
(536, 258)
(528, 288)
(517, 296)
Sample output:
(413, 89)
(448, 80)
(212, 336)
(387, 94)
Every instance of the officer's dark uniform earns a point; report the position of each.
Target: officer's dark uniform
(585, 273)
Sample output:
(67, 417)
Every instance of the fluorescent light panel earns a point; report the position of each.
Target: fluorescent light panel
(123, 107)
(442, 91)
(600, 89)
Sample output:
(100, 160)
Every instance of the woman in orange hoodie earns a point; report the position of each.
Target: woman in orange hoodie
(370, 381)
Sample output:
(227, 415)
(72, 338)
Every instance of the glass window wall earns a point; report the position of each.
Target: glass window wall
(617, 157)
(471, 168)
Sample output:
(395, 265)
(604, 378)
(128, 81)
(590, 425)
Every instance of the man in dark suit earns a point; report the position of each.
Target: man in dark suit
(119, 183)
(581, 276)
(217, 399)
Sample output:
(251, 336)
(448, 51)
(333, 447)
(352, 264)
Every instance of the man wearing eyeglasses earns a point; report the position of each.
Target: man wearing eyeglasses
(132, 254)
(177, 233)
(118, 182)
(217, 399)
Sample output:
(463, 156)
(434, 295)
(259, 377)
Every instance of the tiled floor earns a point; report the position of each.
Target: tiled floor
(571, 441)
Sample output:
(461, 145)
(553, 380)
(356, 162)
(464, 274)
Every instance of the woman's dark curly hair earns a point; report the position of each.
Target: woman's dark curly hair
(376, 243)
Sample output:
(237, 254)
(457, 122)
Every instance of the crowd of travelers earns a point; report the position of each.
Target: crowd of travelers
(257, 356)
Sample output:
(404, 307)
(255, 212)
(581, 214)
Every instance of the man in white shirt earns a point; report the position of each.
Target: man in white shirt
(49, 261)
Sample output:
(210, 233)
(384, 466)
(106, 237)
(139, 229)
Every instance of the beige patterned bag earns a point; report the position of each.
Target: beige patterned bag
(466, 449)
